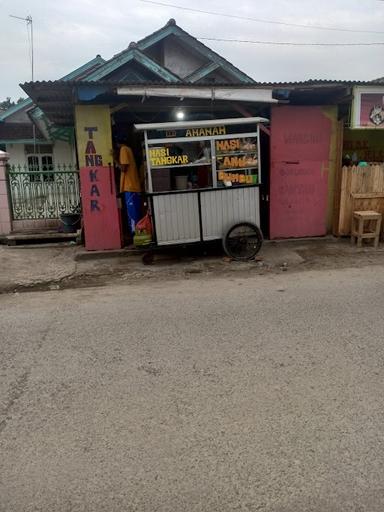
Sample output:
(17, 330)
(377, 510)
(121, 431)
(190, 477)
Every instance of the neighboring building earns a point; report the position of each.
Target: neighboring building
(32, 141)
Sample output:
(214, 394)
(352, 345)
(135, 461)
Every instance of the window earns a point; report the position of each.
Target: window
(237, 161)
(181, 165)
(40, 164)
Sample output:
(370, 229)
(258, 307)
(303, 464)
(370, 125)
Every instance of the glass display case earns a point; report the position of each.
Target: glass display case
(237, 161)
(181, 165)
(198, 159)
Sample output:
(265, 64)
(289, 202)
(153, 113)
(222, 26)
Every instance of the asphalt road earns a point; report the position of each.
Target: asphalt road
(259, 394)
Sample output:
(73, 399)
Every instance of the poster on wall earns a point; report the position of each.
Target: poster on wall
(368, 108)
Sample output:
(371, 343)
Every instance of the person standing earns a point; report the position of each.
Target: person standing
(130, 186)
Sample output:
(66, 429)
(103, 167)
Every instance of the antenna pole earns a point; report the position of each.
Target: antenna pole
(29, 22)
(29, 18)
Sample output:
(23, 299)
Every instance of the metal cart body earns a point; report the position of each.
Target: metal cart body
(202, 215)
(205, 214)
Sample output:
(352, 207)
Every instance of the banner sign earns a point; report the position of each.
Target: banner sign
(199, 132)
(93, 135)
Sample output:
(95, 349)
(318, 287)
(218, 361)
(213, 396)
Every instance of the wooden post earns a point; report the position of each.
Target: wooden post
(377, 232)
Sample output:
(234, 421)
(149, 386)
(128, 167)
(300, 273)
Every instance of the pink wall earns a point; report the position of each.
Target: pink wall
(5, 213)
(101, 216)
(300, 153)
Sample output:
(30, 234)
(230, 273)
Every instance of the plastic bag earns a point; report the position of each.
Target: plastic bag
(143, 232)
(144, 225)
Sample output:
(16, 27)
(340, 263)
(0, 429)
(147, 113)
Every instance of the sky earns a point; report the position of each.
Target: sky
(71, 32)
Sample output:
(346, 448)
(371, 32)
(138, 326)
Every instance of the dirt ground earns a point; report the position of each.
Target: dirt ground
(60, 266)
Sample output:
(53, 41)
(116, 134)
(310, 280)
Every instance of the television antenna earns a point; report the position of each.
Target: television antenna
(29, 23)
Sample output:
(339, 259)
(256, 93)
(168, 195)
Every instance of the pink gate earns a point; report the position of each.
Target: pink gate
(300, 154)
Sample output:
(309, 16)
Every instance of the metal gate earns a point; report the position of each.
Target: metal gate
(43, 194)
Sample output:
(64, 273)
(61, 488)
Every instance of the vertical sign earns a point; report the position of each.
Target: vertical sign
(101, 215)
(93, 135)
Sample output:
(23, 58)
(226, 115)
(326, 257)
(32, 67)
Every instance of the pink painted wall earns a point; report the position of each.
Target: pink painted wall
(300, 154)
(5, 208)
(101, 216)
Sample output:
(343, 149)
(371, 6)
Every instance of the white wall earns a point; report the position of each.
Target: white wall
(63, 153)
(16, 154)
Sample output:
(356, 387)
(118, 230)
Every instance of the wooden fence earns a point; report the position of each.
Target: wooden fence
(362, 188)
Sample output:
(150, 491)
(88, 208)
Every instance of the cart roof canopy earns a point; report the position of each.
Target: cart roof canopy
(175, 125)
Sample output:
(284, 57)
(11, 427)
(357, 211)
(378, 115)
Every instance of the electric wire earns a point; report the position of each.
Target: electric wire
(262, 20)
(286, 43)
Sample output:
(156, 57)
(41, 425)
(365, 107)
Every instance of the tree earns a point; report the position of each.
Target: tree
(8, 103)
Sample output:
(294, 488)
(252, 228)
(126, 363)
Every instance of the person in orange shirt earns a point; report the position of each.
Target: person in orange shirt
(130, 187)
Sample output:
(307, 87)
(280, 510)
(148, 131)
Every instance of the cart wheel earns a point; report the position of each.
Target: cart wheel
(243, 241)
(148, 258)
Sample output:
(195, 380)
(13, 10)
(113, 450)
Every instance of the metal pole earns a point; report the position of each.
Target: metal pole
(29, 18)
(29, 21)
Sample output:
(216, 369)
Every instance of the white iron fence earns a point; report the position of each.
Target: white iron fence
(44, 194)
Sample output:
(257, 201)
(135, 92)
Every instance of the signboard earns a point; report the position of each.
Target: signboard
(93, 135)
(199, 132)
(366, 145)
(368, 108)
(236, 177)
(161, 157)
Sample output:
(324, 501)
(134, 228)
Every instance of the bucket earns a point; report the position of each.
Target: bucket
(181, 182)
(70, 222)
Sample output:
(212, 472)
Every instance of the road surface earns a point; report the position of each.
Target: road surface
(203, 394)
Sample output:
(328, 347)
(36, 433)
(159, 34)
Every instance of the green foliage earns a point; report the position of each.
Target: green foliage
(8, 103)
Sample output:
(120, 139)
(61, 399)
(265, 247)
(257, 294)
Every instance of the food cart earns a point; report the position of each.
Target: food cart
(202, 183)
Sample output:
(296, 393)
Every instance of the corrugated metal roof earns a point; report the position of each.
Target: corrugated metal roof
(86, 69)
(78, 74)
(379, 81)
(16, 131)
(304, 83)
(319, 82)
(15, 108)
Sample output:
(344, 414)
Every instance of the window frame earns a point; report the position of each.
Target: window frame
(44, 171)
